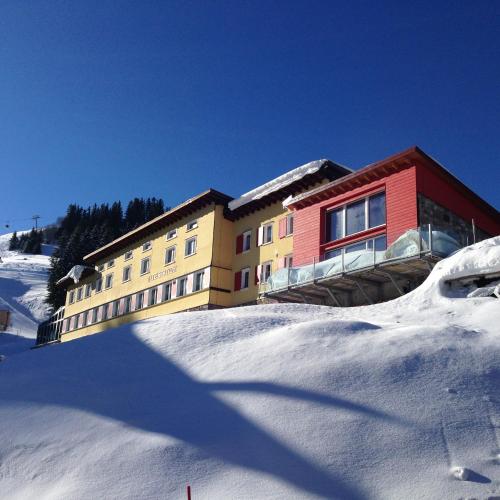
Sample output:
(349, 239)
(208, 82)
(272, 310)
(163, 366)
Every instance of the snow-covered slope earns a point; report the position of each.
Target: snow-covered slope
(277, 401)
(23, 287)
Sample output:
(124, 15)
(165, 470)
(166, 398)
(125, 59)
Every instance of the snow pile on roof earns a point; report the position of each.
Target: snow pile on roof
(75, 273)
(278, 183)
(278, 401)
(23, 289)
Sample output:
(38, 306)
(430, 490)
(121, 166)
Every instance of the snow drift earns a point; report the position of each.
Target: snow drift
(392, 401)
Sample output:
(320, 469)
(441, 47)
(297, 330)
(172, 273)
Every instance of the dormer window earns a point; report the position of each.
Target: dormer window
(192, 225)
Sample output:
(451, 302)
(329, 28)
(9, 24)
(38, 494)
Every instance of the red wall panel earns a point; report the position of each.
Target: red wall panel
(434, 185)
(401, 208)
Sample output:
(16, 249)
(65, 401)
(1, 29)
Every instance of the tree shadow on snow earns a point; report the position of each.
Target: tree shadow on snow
(122, 378)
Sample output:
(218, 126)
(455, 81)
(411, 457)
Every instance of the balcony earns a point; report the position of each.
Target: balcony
(367, 276)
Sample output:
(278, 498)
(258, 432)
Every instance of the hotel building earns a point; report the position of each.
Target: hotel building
(214, 251)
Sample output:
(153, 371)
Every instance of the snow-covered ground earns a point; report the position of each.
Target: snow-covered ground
(23, 287)
(267, 402)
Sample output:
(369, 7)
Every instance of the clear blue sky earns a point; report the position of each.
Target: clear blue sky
(109, 100)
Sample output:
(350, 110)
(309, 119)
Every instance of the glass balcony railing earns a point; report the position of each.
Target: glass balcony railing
(424, 240)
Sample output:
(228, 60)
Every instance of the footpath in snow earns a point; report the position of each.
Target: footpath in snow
(267, 402)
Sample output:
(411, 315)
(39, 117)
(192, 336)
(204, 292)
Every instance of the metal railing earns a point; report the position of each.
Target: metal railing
(51, 329)
(424, 240)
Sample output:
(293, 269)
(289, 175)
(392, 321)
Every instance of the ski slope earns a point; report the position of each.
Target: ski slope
(23, 287)
(267, 402)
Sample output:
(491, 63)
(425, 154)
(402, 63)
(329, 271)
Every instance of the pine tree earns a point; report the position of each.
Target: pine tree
(14, 242)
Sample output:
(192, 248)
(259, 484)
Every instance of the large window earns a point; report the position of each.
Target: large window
(71, 296)
(198, 281)
(265, 271)
(145, 265)
(247, 239)
(152, 296)
(88, 290)
(116, 308)
(128, 304)
(181, 287)
(380, 243)
(245, 277)
(355, 217)
(109, 281)
(127, 271)
(167, 291)
(139, 301)
(98, 285)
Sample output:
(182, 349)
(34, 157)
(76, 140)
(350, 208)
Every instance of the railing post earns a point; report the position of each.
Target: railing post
(314, 268)
(374, 254)
(430, 239)
(342, 254)
(288, 277)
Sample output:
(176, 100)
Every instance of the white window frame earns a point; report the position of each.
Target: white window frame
(245, 272)
(192, 225)
(288, 260)
(139, 304)
(129, 269)
(148, 270)
(115, 309)
(201, 276)
(189, 240)
(88, 290)
(247, 234)
(174, 248)
(184, 281)
(110, 263)
(263, 267)
(343, 209)
(110, 277)
(71, 298)
(94, 315)
(264, 233)
(171, 234)
(128, 255)
(165, 287)
(147, 246)
(98, 289)
(79, 294)
(153, 292)
(85, 318)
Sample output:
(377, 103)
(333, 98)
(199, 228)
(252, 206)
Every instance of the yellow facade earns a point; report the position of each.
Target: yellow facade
(210, 276)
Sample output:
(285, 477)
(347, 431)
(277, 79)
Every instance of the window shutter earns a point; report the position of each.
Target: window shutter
(258, 271)
(173, 293)
(189, 288)
(281, 263)
(206, 278)
(237, 281)
(282, 227)
(239, 244)
(260, 236)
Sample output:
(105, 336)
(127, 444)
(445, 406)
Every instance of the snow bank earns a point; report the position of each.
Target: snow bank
(280, 182)
(277, 401)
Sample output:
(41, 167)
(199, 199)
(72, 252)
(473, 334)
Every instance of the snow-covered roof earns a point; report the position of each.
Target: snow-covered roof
(278, 183)
(76, 273)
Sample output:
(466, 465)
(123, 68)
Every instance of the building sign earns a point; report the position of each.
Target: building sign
(162, 274)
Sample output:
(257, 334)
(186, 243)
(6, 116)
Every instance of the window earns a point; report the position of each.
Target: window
(356, 217)
(289, 224)
(181, 287)
(247, 240)
(100, 268)
(267, 236)
(128, 255)
(111, 263)
(105, 310)
(152, 296)
(198, 281)
(98, 285)
(116, 307)
(139, 301)
(167, 291)
(94, 315)
(71, 296)
(376, 210)
(88, 290)
(145, 265)
(337, 252)
(288, 260)
(357, 247)
(171, 234)
(245, 278)
(127, 272)
(85, 317)
(146, 246)
(380, 243)
(79, 293)
(192, 225)
(190, 246)
(128, 304)
(265, 272)
(108, 283)
(170, 255)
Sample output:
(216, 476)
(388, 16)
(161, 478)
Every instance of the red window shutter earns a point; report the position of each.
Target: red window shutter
(282, 227)
(237, 281)
(239, 244)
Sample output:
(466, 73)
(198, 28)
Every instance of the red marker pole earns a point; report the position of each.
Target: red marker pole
(189, 492)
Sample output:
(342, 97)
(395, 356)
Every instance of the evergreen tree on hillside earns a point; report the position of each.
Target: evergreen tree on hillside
(14, 242)
(82, 231)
